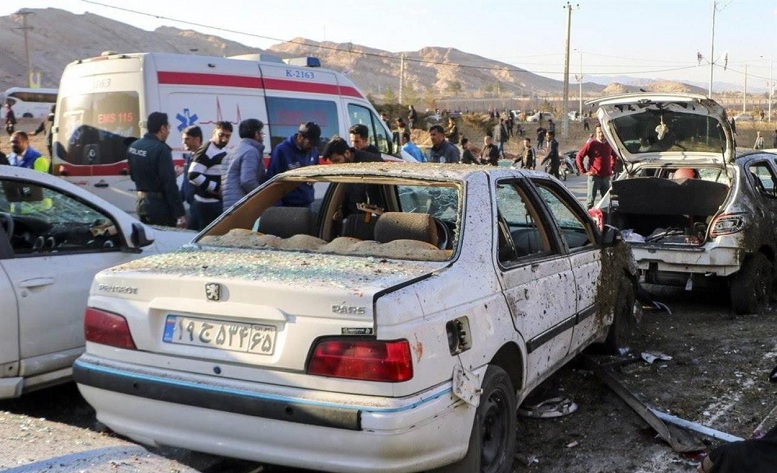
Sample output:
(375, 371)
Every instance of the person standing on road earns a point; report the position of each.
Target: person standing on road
(44, 128)
(551, 161)
(452, 134)
(500, 135)
(298, 150)
(442, 150)
(466, 156)
(242, 169)
(151, 169)
(10, 119)
(360, 139)
(204, 174)
(191, 138)
(528, 156)
(586, 123)
(490, 153)
(601, 163)
(759, 141)
(774, 139)
(541, 131)
(410, 148)
(24, 155)
(412, 117)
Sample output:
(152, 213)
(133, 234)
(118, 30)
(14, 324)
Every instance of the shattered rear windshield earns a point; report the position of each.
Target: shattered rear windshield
(350, 215)
(667, 131)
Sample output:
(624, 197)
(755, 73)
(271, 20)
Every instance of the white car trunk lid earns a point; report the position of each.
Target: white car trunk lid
(679, 129)
(247, 306)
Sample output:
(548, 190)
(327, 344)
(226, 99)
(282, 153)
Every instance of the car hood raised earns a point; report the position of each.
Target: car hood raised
(678, 128)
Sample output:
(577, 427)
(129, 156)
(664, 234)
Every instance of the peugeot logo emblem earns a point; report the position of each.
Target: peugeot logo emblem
(213, 291)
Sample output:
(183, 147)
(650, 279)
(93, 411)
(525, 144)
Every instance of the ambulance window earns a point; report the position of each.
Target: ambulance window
(378, 133)
(96, 128)
(286, 114)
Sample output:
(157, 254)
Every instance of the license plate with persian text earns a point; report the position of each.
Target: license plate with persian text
(232, 336)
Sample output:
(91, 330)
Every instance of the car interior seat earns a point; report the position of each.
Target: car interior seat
(286, 222)
(406, 226)
(684, 173)
(360, 225)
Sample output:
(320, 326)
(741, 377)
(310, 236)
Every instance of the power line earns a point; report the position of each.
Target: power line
(503, 67)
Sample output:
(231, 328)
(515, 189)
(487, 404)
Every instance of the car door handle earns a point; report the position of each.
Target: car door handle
(36, 282)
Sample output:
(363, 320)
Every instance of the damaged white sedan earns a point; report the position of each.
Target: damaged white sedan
(393, 327)
(692, 214)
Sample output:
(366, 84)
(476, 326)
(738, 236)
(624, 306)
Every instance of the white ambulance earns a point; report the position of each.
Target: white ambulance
(103, 103)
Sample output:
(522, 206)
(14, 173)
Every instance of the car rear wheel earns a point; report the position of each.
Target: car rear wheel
(492, 440)
(751, 287)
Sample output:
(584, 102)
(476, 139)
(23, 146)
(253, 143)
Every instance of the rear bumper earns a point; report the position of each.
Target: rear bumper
(712, 261)
(277, 425)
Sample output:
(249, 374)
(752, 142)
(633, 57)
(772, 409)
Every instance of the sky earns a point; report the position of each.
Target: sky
(656, 39)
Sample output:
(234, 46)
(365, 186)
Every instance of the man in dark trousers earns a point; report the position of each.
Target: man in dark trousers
(204, 174)
(151, 169)
(551, 161)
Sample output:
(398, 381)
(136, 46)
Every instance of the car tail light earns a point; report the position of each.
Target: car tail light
(370, 360)
(107, 329)
(598, 217)
(727, 224)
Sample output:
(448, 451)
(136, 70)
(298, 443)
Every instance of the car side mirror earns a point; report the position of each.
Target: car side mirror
(138, 237)
(610, 236)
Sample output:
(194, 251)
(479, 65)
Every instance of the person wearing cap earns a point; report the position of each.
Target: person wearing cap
(298, 150)
(337, 151)
(242, 169)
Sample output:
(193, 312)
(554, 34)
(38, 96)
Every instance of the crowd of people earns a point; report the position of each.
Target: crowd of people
(215, 177)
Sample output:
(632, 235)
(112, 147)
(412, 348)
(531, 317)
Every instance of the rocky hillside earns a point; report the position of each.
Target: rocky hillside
(58, 37)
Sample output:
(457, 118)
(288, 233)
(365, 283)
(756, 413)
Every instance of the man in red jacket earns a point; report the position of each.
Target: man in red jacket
(601, 163)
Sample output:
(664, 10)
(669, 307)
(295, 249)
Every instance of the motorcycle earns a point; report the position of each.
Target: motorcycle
(567, 167)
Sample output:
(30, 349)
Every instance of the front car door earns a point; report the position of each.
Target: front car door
(579, 239)
(536, 277)
(57, 246)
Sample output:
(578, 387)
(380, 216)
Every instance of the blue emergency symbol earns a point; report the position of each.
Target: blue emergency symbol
(185, 119)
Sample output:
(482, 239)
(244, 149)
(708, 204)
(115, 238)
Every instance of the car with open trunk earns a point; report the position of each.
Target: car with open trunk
(694, 213)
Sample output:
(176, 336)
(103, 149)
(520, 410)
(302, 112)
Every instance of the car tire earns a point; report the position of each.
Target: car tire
(624, 319)
(492, 439)
(751, 286)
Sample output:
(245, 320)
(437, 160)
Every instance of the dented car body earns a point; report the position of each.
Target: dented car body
(692, 213)
(393, 327)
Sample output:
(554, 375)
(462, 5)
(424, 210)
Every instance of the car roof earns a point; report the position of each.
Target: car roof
(404, 170)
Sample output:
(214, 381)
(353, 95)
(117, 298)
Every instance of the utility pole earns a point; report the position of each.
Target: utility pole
(565, 102)
(712, 47)
(744, 93)
(579, 79)
(401, 78)
(24, 12)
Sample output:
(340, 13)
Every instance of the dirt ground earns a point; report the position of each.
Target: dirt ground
(718, 377)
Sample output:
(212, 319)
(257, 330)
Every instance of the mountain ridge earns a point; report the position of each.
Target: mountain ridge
(59, 37)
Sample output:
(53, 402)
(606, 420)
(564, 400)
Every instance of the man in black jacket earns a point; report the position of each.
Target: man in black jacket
(151, 169)
(337, 151)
